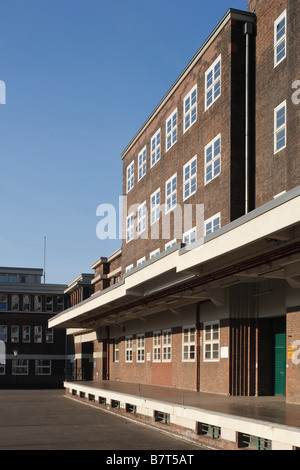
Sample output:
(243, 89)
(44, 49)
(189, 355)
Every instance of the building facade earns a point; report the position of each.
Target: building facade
(209, 289)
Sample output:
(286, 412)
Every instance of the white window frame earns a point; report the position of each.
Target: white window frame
(166, 341)
(42, 366)
(26, 334)
(15, 302)
(117, 350)
(130, 227)
(27, 303)
(189, 343)
(130, 177)
(156, 346)
(49, 335)
(155, 148)
(155, 206)
(170, 244)
(129, 268)
(171, 194)
(141, 261)
(49, 303)
(281, 40)
(213, 85)
(190, 109)
(280, 128)
(128, 348)
(154, 253)
(190, 178)
(212, 220)
(38, 334)
(171, 130)
(215, 157)
(14, 333)
(140, 347)
(190, 236)
(142, 218)
(211, 341)
(142, 163)
(38, 303)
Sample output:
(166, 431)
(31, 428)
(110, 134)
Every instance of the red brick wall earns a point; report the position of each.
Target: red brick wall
(293, 357)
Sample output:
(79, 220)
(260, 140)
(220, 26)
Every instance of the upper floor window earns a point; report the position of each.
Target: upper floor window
(213, 83)
(142, 218)
(213, 159)
(26, 303)
(189, 343)
(211, 341)
(15, 302)
(128, 348)
(280, 39)
(154, 253)
(155, 206)
(212, 224)
(155, 148)
(171, 130)
(142, 163)
(171, 193)
(140, 348)
(190, 178)
(280, 127)
(190, 109)
(129, 227)
(3, 302)
(3, 333)
(189, 236)
(130, 177)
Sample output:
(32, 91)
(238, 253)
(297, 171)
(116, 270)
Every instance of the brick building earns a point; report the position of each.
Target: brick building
(212, 303)
(35, 355)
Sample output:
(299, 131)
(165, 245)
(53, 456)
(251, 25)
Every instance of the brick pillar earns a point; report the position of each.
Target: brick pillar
(293, 357)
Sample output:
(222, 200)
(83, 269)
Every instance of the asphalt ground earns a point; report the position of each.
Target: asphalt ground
(48, 420)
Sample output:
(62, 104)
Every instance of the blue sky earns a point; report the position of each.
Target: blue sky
(81, 77)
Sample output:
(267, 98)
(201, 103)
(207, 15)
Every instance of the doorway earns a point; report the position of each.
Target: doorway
(279, 365)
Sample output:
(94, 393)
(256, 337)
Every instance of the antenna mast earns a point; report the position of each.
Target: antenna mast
(44, 260)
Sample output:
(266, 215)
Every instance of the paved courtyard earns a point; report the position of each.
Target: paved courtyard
(48, 420)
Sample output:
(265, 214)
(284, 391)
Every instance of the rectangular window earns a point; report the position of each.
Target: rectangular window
(20, 366)
(15, 302)
(37, 334)
(170, 244)
(154, 253)
(280, 127)
(189, 236)
(130, 177)
(129, 227)
(171, 193)
(166, 346)
(189, 344)
(60, 304)
(213, 83)
(280, 39)
(155, 206)
(49, 335)
(142, 163)
(38, 303)
(26, 303)
(212, 224)
(14, 334)
(213, 159)
(128, 349)
(140, 349)
(211, 341)
(141, 261)
(156, 346)
(3, 333)
(49, 304)
(2, 278)
(3, 302)
(129, 268)
(190, 178)
(155, 148)
(142, 218)
(171, 130)
(190, 109)
(116, 350)
(42, 367)
(26, 334)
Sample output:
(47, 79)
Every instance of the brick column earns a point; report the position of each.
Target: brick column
(293, 356)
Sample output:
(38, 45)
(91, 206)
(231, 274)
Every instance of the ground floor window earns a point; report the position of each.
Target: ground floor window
(42, 367)
(211, 341)
(189, 343)
(140, 350)
(20, 367)
(166, 346)
(128, 349)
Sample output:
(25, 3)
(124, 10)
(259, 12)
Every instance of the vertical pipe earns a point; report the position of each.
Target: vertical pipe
(247, 120)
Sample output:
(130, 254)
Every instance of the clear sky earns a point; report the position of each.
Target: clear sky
(81, 78)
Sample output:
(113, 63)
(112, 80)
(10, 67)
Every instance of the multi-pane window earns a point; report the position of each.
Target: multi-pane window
(129, 227)
(142, 218)
(141, 261)
(155, 206)
(213, 159)
(156, 346)
(20, 367)
(170, 244)
(190, 178)
(49, 335)
(211, 341)
(26, 334)
(116, 350)
(37, 334)
(212, 224)
(49, 304)
(166, 346)
(155, 148)
(42, 367)
(142, 163)
(14, 334)
(129, 268)
(3, 302)
(154, 253)
(280, 39)
(130, 177)
(171, 130)
(171, 193)
(3, 333)
(15, 303)
(26, 303)
(128, 349)
(189, 236)
(213, 83)
(190, 109)
(37, 303)
(189, 343)
(140, 348)
(280, 127)
(60, 304)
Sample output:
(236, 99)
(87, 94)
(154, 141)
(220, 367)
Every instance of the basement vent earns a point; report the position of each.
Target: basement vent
(91, 397)
(204, 429)
(253, 442)
(161, 417)
(115, 404)
(102, 400)
(130, 408)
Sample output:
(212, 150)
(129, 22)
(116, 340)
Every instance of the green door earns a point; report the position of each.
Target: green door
(280, 363)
